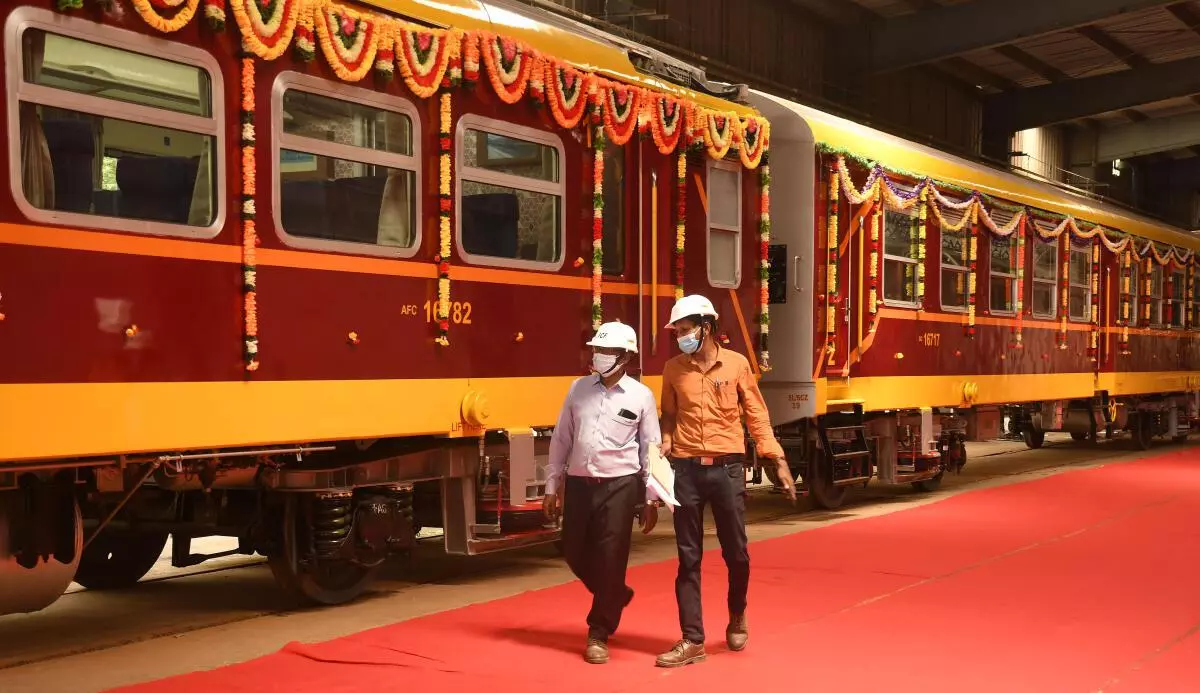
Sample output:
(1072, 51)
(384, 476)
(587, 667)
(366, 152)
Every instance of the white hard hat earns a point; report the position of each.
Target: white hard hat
(615, 335)
(689, 306)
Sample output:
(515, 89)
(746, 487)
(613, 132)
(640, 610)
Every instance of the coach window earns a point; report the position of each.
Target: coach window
(613, 232)
(724, 224)
(1080, 278)
(1002, 287)
(347, 168)
(1194, 318)
(1156, 296)
(116, 131)
(955, 266)
(900, 255)
(1175, 293)
(510, 202)
(1045, 279)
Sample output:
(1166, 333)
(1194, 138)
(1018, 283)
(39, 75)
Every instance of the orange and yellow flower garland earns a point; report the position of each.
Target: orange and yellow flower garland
(349, 39)
(445, 204)
(268, 36)
(184, 11)
(214, 13)
(508, 63)
(597, 226)
(680, 219)
(567, 91)
(1094, 349)
(831, 273)
(248, 212)
(764, 269)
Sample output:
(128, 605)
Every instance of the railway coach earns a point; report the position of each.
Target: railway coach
(317, 274)
(918, 297)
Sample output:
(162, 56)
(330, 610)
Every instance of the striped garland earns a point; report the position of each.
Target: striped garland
(598, 144)
(445, 204)
(249, 234)
(680, 219)
(764, 270)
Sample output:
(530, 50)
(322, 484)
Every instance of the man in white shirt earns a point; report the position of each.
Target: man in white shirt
(599, 463)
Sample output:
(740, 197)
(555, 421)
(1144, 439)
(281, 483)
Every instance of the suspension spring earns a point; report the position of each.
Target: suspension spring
(332, 521)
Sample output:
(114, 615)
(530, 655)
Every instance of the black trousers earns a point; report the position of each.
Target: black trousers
(597, 528)
(724, 488)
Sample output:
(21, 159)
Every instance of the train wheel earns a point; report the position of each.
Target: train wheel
(929, 485)
(1033, 439)
(1079, 436)
(824, 494)
(1143, 436)
(306, 578)
(117, 559)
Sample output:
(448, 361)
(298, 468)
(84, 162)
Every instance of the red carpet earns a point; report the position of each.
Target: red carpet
(1084, 581)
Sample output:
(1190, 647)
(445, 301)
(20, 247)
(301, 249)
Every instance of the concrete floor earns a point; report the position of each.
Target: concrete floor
(229, 610)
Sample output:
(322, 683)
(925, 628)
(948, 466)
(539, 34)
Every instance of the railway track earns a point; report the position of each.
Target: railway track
(172, 603)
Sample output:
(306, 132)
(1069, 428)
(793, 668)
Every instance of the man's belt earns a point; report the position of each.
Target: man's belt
(717, 461)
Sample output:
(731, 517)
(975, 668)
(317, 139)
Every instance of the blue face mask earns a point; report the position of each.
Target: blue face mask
(689, 343)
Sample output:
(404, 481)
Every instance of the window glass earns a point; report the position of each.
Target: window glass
(1177, 291)
(1002, 283)
(899, 257)
(954, 247)
(503, 222)
(509, 155)
(613, 237)
(1156, 293)
(954, 288)
(94, 69)
(724, 224)
(1080, 296)
(1045, 279)
(346, 173)
(346, 122)
(955, 272)
(134, 166)
(511, 205)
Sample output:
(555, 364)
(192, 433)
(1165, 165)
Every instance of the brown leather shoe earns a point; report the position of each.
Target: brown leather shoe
(684, 653)
(596, 652)
(738, 633)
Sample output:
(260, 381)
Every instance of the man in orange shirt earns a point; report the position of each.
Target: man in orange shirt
(706, 392)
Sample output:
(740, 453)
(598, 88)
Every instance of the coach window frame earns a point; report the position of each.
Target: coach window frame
(885, 257)
(964, 271)
(1012, 274)
(1035, 280)
(711, 226)
(23, 19)
(291, 80)
(504, 128)
(1177, 299)
(1086, 284)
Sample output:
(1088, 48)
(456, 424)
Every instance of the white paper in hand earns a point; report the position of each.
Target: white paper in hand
(662, 478)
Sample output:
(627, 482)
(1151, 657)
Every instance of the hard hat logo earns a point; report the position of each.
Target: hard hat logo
(615, 335)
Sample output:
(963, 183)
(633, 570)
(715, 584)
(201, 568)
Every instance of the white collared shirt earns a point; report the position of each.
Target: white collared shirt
(603, 432)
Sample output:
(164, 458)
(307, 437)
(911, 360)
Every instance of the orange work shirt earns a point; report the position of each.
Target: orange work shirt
(702, 410)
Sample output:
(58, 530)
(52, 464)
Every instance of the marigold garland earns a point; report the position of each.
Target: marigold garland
(680, 219)
(425, 55)
(186, 9)
(973, 273)
(1064, 290)
(922, 240)
(831, 278)
(268, 36)
(597, 226)
(508, 63)
(385, 51)
(445, 205)
(567, 91)
(667, 120)
(1126, 299)
(1094, 349)
(620, 106)
(756, 137)
(873, 301)
(720, 131)
(248, 213)
(349, 40)
(764, 269)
